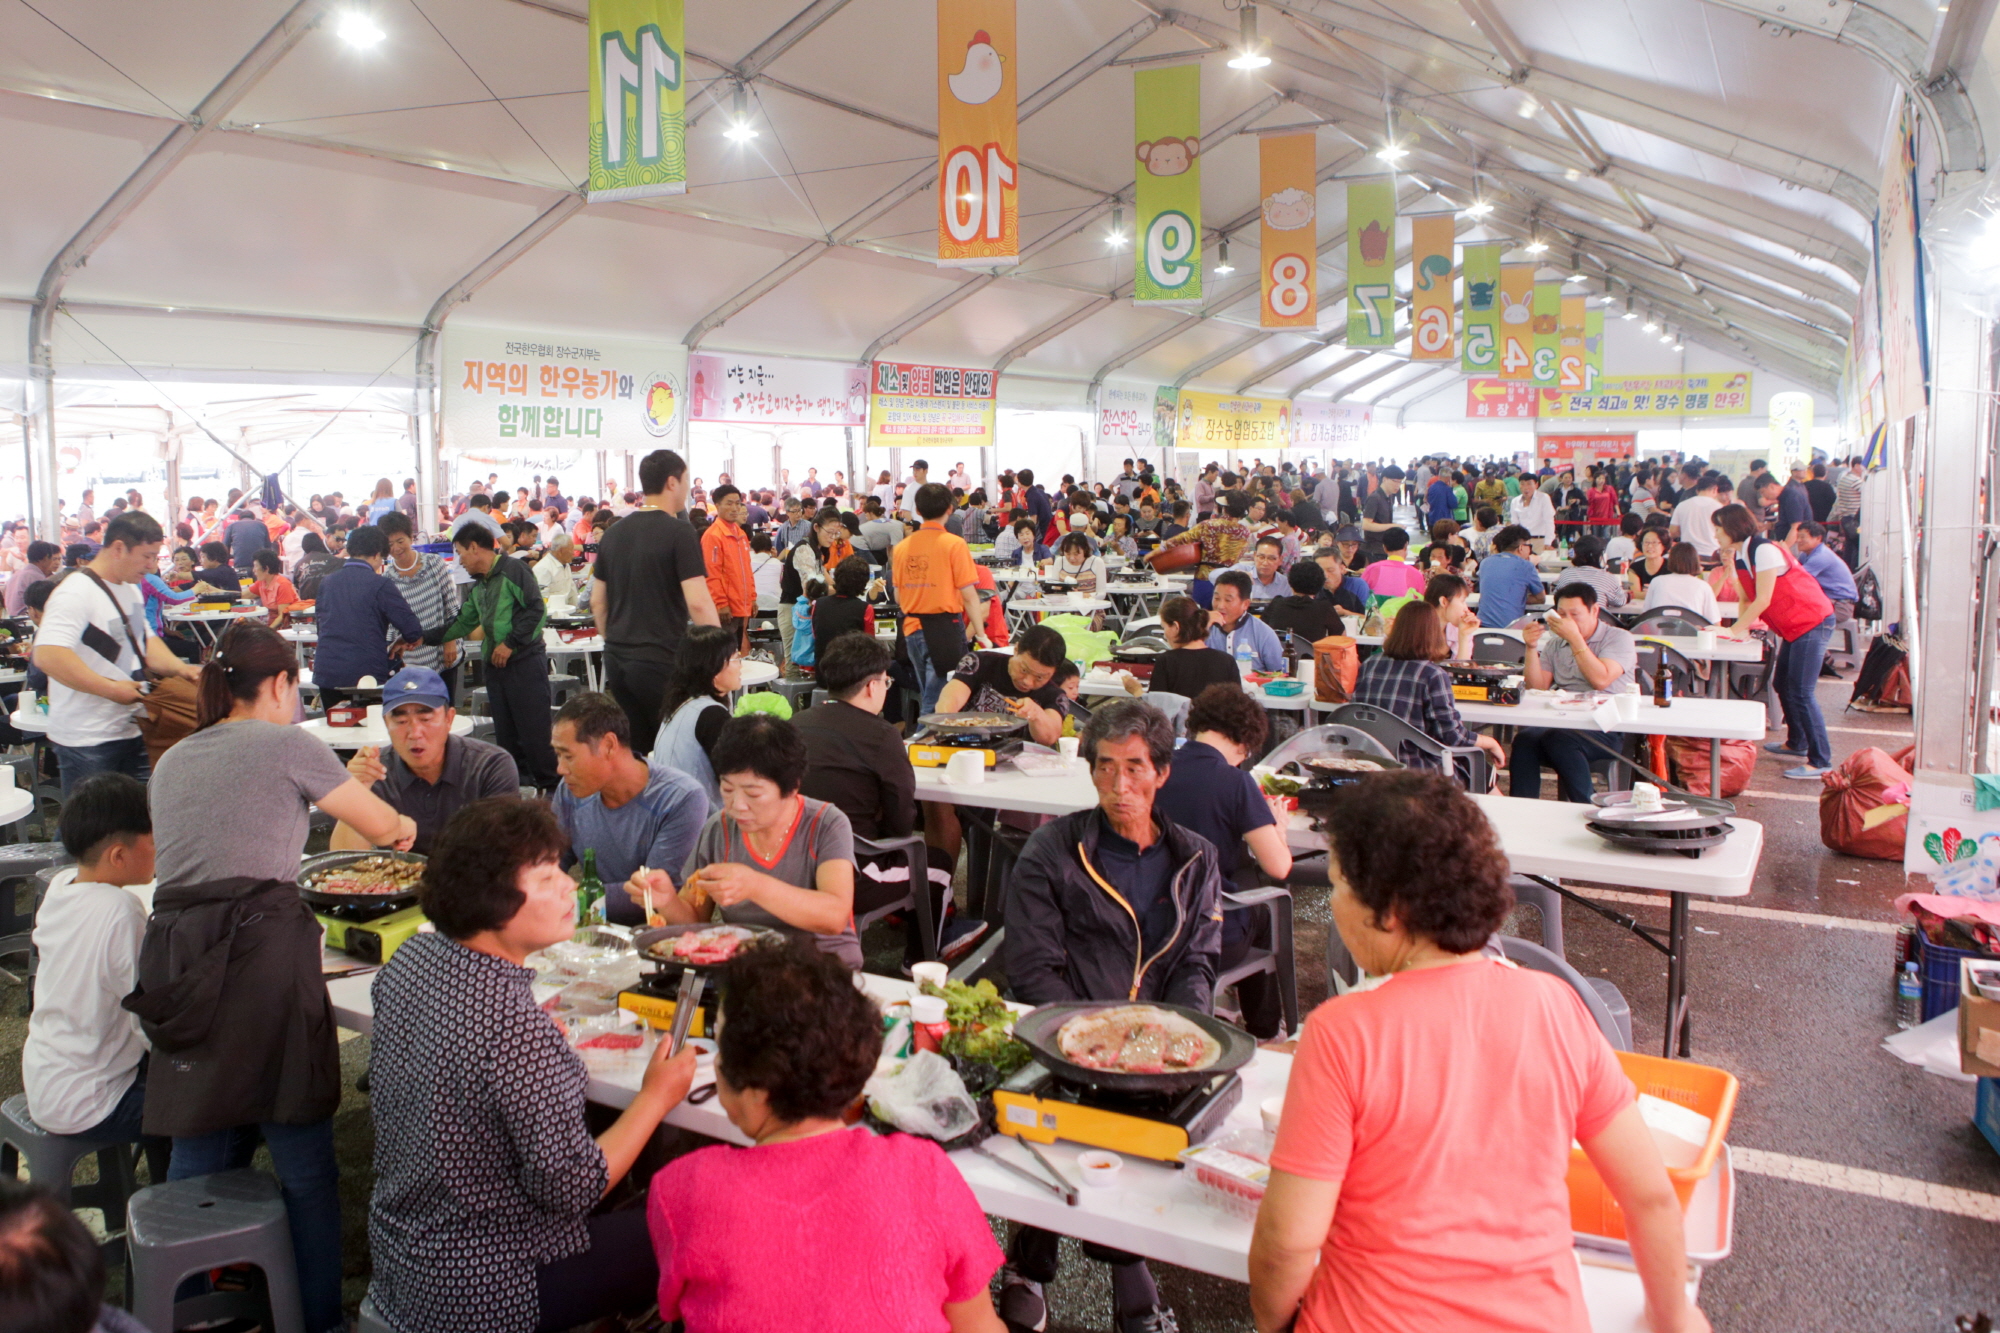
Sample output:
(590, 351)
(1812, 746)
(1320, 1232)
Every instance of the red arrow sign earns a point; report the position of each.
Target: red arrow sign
(1490, 398)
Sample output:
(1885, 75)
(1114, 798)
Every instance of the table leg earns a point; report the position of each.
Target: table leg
(1679, 1021)
(1715, 768)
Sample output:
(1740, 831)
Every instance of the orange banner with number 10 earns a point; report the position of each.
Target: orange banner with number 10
(1432, 247)
(978, 133)
(1287, 245)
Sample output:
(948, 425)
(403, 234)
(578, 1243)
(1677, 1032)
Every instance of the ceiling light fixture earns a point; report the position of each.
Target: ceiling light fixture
(1538, 246)
(1666, 337)
(1628, 310)
(1478, 208)
(1250, 47)
(741, 128)
(1576, 277)
(358, 29)
(1393, 154)
(1115, 238)
(1222, 264)
(1651, 325)
(1679, 346)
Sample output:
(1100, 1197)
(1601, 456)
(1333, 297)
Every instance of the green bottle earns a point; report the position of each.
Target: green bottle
(589, 893)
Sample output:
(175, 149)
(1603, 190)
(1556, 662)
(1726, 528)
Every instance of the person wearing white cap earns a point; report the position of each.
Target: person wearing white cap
(428, 774)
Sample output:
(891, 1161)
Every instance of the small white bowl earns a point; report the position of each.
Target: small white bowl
(1100, 1169)
(704, 1049)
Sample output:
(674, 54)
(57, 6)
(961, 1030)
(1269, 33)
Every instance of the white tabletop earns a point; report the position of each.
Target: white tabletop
(370, 732)
(1725, 650)
(553, 640)
(1714, 719)
(1058, 605)
(758, 673)
(299, 634)
(226, 613)
(35, 722)
(15, 802)
(1155, 1210)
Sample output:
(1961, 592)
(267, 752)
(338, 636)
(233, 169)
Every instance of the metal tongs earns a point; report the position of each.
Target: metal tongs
(1058, 1185)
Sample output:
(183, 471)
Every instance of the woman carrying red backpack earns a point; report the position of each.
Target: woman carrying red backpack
(1779, 591)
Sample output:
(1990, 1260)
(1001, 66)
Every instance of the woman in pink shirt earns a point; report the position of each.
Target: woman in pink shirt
(1418, 1178)
(816, 1226)
(1394, 576)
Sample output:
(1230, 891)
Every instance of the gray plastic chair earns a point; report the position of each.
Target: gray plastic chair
(1279, 959)
(1392, 732)
(1492, 648)
(51, 1160)
(187, 1226)
(1311, 740)
(1606, 1005)
(1669, 620)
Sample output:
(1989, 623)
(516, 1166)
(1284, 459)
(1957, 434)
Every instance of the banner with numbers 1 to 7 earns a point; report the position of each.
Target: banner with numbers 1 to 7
(1167, 129)
(638, 109)
(1723, 393)
(1371, 263)
(978, 130)
(1479, 340)
(1545, 324)
(1287, 239)
(929, 407)
(1432, 243)
(1517, 322)
(510, 389)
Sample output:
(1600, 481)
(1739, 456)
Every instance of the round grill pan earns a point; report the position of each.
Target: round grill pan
(1038, 1029)
(325, 861)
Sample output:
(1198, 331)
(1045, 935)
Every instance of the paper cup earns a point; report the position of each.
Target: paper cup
(1066, 746)
(965, 770)
(1628, 707)
(1099, 1168)
(935, 973)
(1270, 1109)
(6, 776)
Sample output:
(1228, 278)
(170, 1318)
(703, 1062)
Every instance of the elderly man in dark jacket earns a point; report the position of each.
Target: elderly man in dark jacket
(1115, 903)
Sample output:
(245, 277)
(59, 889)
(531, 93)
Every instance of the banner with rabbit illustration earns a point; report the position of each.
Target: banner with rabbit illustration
(1431, 248)
(1371, 263)
(1517, 322)
(978, 208)
(1479, 339)
(1167, 130)
(1287, 237)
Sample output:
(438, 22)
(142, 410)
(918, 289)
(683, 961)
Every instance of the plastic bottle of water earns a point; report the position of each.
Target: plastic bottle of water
(1246, 661)
(1909, 997)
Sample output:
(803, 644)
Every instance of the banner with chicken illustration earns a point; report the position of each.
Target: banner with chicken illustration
(1479, 339)
(638, 106)
(1371, 263)
(1517, 321)
(1287, 237)
(978, 134)
(1167, 130)
(1432, 243)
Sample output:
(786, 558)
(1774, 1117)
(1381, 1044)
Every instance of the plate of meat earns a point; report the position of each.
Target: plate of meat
(702, 946)
(384, 878)
(1133, 1047)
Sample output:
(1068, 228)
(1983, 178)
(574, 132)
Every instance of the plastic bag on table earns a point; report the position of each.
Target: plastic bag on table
(926, 1097)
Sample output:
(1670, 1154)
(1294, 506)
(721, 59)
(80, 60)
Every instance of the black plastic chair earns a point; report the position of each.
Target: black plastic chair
(1670, 620)
(1495, 648)
(918, 897)
(1392, 732)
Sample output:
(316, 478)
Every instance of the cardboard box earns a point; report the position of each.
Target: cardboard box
(1978, 1025)
(1986, 1111)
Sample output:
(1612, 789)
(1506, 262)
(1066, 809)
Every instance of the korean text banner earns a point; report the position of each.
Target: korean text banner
(1479, 345)
(1318, 425)
(1167, 129)
(978, 208)
(776, 391)
(1431, 247)
(1545, 325)
(638, 113)
(509, 389)
(1490, 398)
(1224, 421)
(929, 407)
(1517, 320)
(1371, 263)
(1721, 394)
(1125, 419)
(1570, 449)
(1288, 240)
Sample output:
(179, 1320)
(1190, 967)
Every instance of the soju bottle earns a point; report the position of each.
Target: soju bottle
(589, 893)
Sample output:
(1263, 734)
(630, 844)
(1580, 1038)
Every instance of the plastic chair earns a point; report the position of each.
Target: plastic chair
(1311, 740)
(1143, 627)
(1278, 960)
(917, 899)
(51, 1159)
(1393, 732)
(21, 865)
(1498, 649)
(1654, 658)
(1175, 706)
(188, 1226)
(1548, 906)
(1606, 1005)
(370, 1319)
(1669, 620)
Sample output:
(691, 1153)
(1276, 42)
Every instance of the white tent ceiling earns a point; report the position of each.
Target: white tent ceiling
(1710, 160)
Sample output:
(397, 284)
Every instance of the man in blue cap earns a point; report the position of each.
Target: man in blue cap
(428, 774)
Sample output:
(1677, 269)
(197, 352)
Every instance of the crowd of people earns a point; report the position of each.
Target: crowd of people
(496, 1192)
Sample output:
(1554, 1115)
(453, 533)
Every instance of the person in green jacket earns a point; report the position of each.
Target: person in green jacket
(505, 603)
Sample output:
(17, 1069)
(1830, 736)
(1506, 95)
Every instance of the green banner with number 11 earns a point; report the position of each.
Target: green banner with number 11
(638, 110)
(1371, 263)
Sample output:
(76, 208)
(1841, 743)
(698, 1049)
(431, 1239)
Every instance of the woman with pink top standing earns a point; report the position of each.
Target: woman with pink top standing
(871, 1233)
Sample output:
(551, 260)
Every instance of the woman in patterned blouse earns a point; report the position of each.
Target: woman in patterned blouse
(1222, 539)
(485, 1172)
(1405, 679)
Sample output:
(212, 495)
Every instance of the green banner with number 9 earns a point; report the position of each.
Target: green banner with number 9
(1167, 123)
(638, 111)
(1371, 263)
(1479, 346)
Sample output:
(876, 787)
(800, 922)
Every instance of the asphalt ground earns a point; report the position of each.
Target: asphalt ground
(1866, 1198)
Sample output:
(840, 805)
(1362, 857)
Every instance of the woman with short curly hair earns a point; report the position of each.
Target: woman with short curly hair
(1418, 1178)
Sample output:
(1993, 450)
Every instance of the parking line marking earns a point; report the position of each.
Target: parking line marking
(1870, 1184)
(1758, 913)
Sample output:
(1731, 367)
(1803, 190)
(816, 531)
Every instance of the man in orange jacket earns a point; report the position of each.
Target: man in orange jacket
(725, 549)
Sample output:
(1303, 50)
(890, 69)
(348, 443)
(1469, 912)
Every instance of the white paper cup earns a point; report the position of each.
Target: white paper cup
(1066, 746)
(935, 973)
(927, 1009)
(965, 770)
(1628, 707)
(1270, 1109)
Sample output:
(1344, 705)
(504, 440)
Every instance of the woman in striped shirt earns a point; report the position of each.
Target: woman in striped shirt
(425, 582)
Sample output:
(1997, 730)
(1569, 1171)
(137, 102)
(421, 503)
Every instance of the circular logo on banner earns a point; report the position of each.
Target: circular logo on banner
(660, 405)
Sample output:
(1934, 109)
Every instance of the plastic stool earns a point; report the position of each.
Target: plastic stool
(184, 1227)
(1614, 1000)
(1548, 905)
(52, 1160)
(370, 1319)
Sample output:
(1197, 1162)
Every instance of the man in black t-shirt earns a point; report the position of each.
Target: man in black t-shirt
(1023, 684)
(1378, 514)
(648, 583)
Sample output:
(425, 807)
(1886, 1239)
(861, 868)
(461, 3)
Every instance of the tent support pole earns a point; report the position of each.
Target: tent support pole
(1953, 433)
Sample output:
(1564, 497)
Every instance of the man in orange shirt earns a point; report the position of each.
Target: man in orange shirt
(725, 549)
(936, 585)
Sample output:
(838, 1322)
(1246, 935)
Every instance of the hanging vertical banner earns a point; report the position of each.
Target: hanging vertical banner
(638, 112)
(1593, 344)
(1371, 263)
(1288, 240)
(1479, 342)
(1167, 123)
(978, 210)
(1572, 371)
(1791, 431)
(1432, 243)
(1517, 317)
(1545, 325)
(1166, 417)
(1901, 268)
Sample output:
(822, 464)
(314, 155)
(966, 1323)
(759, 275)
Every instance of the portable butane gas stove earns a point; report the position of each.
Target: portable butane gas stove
(370, 931)
(1476, 684)
(1036, 1105)
(994, 735)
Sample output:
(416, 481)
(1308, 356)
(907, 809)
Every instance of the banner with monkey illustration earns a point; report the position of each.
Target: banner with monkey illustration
(978, 208)
(1287, 238)
(1479, 339)
(1371, 263)
(1167, 126)
(1431, 246)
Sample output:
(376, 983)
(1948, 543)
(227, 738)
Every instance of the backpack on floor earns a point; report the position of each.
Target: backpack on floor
(1872, 683)
(1849, 797)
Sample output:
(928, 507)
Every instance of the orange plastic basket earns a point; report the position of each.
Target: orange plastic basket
(1702, 1088)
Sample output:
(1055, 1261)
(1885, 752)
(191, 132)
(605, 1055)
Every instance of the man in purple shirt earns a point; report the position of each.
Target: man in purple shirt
(44, 558)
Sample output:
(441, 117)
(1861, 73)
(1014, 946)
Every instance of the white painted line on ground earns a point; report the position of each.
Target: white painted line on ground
(1759, 913)
(1869, 731)
(1779, 795)
(1872, 1184)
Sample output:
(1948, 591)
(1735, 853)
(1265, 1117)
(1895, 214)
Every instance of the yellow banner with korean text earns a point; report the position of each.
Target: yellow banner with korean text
(929, 407)
(1287, 238)
(978, 134)
(1718, 394)
(1232, 421)
(1432, 246)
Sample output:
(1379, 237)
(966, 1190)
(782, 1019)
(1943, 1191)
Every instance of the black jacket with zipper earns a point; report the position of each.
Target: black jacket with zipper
(231, 996)
(1072, 936)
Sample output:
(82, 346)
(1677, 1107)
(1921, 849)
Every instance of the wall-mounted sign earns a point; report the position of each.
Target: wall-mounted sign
(514, 390)
(1125, 418)
(1791, 431)
(1232, 421)
(776, 390)
(1721, 394)
(1489, 398)
(929, 407)
(1572, 450)
(1317, 425)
